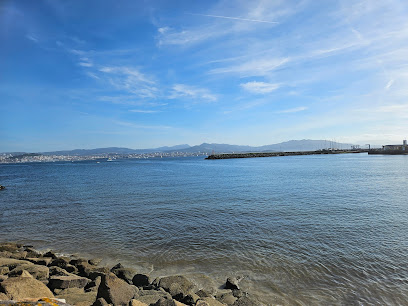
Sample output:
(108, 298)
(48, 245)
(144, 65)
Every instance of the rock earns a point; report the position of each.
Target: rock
(202, 293)
(202, 303)
(3, 296)
(44, 261)
(71, 281)
(165, 302)
(50, 254)
(152, 296)
(5, 254)
(2, 187)
(19, 255)
(137, 303)
(3, 278)
(31, 252)
(100, 302)
(9, 247)
(141, 280)
(190, 299)
(226, 298)
(245, 301)
(77, 297)
(61, 262)
(4, 270)
(98, 271)
(23, 287)
(115, 290)
(38, 272)
(178, 286)
(94, 261)
(210, 301)
(58, 271)
(231, 283)
(239, 293)
(126, 274)
(12, 263)
(93, 285)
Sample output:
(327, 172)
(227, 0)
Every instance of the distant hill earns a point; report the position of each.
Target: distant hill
(287, 146)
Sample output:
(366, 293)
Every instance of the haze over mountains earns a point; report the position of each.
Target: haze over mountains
(288, 146)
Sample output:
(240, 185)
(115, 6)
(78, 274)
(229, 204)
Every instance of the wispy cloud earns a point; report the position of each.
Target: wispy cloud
(141, 126)
(235, 18)
(144, 111)
(292, 110)
(32, 38)
(181, 91)
(260, 87)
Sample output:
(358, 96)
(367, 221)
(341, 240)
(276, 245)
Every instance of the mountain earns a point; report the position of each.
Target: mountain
(287, 146)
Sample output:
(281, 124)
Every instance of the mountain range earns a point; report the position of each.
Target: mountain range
(288, 146)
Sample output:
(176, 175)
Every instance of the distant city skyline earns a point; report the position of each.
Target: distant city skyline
(141, 74)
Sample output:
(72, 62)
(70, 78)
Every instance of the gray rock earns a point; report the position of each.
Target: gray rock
(202, 293)
(164, 302)
(38, 272)
(44, 261)
(93, 285)
(77, 297)
(71, 281)
(55, 271)
(115, 290)
(9, 247)
(141, 280)
(94, 261)
(178, 286)
(126, 274)
(231, 283)
(245, 301)
(61, 262)
(226, 298)
(13, 263)
(19, 255)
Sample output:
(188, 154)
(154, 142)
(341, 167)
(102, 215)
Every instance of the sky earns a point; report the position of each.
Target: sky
(144, 74)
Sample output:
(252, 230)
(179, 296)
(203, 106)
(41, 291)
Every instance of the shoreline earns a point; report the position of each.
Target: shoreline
(47, 278)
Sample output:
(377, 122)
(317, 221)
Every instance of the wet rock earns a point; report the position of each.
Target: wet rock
(38, 272)
(71, 281)
(178, 286)
(24, 286)
(100, 302)
(50, 254)
(115, 290)
(44, 261)
(126, 274)
(94, 261)
(232, 283)
(141, 280)
(77, 297)
(226, 298)
(245, 301)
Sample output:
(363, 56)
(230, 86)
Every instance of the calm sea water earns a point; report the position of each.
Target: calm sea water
(324, 229)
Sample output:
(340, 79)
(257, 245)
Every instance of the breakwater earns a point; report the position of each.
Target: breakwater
(273, 154)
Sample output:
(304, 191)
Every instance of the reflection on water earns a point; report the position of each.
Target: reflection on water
(300, 229)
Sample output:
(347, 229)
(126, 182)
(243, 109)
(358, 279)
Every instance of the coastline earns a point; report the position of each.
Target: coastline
(47, 278)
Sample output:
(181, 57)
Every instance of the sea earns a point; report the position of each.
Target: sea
(298, 230)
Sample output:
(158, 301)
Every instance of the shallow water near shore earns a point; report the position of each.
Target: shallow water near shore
(324, 229)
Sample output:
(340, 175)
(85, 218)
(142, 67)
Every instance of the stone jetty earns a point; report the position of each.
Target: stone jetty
(29, 277)
(272, 154)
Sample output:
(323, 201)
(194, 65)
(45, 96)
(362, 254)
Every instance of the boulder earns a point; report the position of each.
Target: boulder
(50, 254)
(226, 298)
(190, 299)
(3, 278)
(245, 301)
(141, 280)
(167, 302)
(9, 247)
(58, 271)
(178, 286)
(12, 263)
(2, 187)
(44, 261)
(4, 270)
(93, 285)
(3, 296)
(100, 302)
(77, 297)
(61, 262)
(239, 293)
(38, 272)
(202, 303)
(71, 281)
(231, 283)
(151, 296)
(115, 290)
(5, 254)
(202, 293)
(19, 255)
(23, 287)
(126, 274)
(94, 261)
(31, 252)
(137, 303)
(94, 272)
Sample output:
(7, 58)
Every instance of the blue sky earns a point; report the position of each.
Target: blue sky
(139, 74)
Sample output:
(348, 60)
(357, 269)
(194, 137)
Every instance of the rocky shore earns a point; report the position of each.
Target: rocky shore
(274, 154)
(30, 277)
